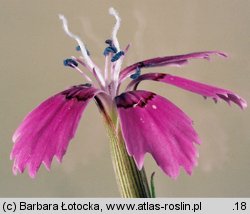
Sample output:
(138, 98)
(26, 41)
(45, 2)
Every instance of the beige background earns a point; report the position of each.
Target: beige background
(33, 46)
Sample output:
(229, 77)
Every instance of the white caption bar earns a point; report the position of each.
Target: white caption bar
(119, 205)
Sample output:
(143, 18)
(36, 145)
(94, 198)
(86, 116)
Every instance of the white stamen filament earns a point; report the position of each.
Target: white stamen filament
(110, 74)
(80, 43)
(80, 61)
(86, 58)
(115, 69)
(106, 68)
(83, 74)
(114, 13)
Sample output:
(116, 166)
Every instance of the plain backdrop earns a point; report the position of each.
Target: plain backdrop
(33, 46)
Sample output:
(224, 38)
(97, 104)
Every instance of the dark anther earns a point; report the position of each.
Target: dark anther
(110, 49)
(136, 74)
(88, 53)
(109, 42)
(70, 62)
(78, 48)
(117, 56)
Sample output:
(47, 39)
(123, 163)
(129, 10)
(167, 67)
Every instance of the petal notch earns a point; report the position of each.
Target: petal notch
(46, 131)
(196, 87)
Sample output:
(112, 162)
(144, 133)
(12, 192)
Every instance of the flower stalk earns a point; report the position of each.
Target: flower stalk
(132, 182)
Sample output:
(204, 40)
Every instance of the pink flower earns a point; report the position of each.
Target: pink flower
(149, 123)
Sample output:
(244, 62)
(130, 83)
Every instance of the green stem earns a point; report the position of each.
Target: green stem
(132, 182)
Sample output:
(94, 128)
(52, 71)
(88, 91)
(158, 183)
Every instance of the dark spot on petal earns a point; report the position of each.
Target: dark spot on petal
(141, 64)
(159, 76)
(81, 92)
(134, 99)
(86, 85)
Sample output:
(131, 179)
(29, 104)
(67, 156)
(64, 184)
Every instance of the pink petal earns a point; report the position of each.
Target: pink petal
(47, 130)
(150, 123)
(177, 60)
(195, 87)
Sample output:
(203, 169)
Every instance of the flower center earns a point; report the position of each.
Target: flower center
(107, 79)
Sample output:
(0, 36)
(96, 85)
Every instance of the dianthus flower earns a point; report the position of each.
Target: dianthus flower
(141, 120)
